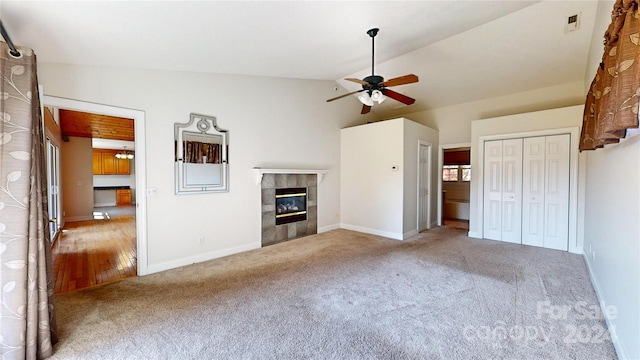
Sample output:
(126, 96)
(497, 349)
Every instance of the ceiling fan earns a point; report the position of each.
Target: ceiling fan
(375, 87)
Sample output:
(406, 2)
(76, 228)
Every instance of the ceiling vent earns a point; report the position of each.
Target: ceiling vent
(572, 23)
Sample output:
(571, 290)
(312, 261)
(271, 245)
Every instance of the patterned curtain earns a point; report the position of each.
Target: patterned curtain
(612, 101)
(27, 316)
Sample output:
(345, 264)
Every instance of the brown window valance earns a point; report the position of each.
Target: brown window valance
(611, 105)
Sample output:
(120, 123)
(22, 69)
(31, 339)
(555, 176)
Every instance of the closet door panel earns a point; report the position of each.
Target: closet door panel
(512, 191)
(533, 191)
(492, 221)
(556, 203)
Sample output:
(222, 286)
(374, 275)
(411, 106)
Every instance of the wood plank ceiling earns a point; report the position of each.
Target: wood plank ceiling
(81, 124)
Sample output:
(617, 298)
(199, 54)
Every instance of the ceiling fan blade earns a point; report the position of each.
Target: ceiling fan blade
(407, 79)
(347, 94)
(397, 96)
(361, 82)
(365, 109)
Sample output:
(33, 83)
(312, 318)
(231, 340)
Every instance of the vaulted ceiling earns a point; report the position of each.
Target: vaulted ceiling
(461, 50)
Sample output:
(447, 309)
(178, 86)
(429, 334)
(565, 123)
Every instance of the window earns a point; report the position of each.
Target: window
(450, 173)
(456, 173)
(466, 172)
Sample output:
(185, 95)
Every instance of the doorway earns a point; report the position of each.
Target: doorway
(53, 187)
(137, 228)
(455, 186)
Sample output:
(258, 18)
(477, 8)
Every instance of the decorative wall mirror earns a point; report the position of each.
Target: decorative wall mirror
(202, 156)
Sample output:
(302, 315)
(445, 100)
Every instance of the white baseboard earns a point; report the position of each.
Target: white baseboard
(620, 349)
(78, 218)
(396, 236)
(328, 228)
(409, 234)
(154, 268)
(474, 234)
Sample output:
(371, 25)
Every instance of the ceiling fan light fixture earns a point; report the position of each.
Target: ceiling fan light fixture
(365, 99)
(377, 96)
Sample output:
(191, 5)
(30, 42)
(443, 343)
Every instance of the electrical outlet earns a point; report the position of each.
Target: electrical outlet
(201, 240)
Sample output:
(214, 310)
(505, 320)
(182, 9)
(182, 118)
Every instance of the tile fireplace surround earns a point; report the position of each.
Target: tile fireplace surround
(272, 233)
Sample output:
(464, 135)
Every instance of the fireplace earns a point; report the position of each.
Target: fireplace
(288, 192)
(291, 205)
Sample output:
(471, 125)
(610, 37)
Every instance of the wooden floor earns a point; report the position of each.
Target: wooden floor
(89, 253)
(456, 223)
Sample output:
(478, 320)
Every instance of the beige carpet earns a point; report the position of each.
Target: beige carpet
(347, 295)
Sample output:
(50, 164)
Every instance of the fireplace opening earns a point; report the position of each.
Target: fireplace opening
(291, 205)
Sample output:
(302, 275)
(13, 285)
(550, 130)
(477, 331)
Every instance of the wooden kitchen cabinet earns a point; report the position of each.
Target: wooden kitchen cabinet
(106, 163)
(97, 163)
(123, 166)
(123, 197)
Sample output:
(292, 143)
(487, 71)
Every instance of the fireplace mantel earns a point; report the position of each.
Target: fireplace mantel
(260, 172)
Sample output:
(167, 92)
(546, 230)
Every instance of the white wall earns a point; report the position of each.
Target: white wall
(280, 123)
(454, 122)
(76, 179)
(375, 198)
(612, 237)
(612, 220)
(413, 133)
(370, 191)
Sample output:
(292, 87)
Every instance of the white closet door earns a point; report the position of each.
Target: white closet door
(526, 191)
(512, 190)
(533, 191)
(492, 222)
(503, 190)
(556, 198)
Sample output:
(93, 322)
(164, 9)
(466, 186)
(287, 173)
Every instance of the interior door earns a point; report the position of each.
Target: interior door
(512, 190)
(533, 196)
(424, 183)
(556, 203)
(492, 222)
